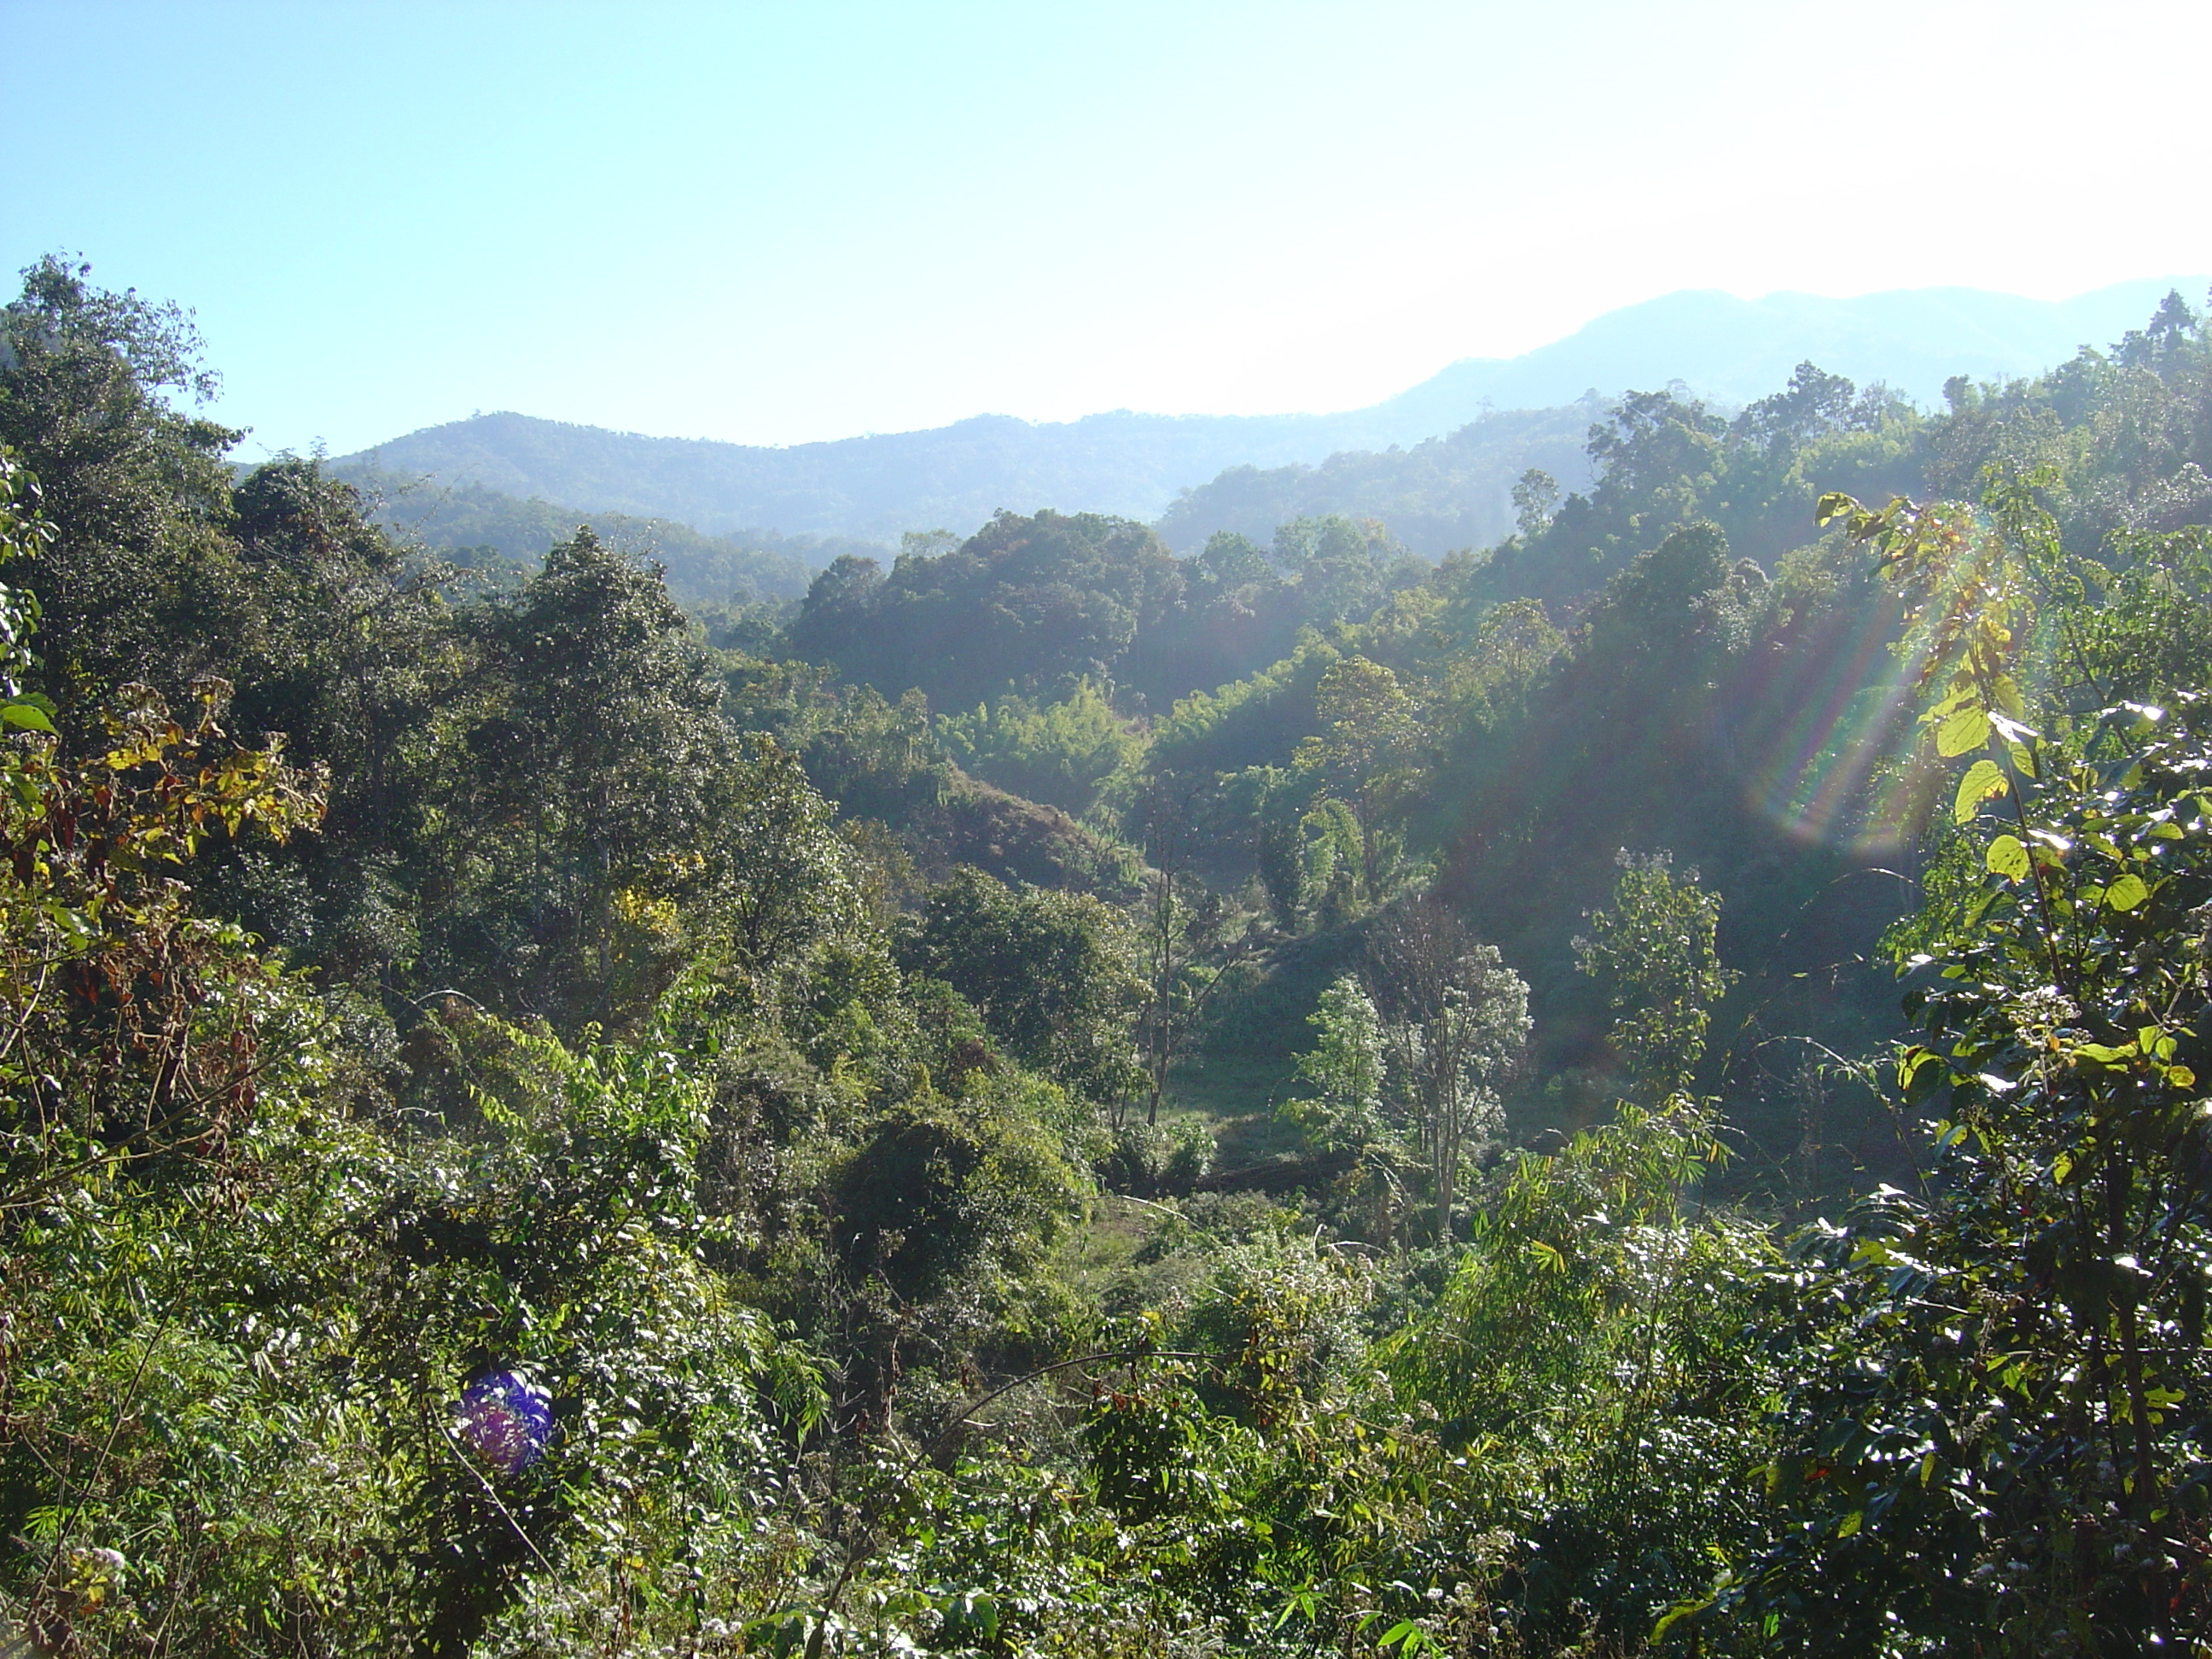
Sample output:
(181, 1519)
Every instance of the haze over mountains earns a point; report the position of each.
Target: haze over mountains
(1517, 412)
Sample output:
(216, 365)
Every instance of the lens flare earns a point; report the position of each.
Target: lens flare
(1833, 769)
(505, 1420)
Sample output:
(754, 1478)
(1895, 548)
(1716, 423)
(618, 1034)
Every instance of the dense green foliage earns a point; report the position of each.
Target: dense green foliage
(1451, 491)
(500, 538)
(1062, 752)
(539, 1123)
(1038, 604)
(876, 487)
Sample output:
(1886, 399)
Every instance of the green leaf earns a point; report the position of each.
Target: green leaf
(1679, 1610)
(1920, 1072)
(2007, 857)
(1962, 733)
(1984, 778)
(2126, 893)
(1850, 1523)
(972, 1617)
(29, 716)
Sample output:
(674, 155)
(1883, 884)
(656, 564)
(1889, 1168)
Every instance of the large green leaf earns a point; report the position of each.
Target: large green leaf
(1984, 778)
(27, 716)
(1962, 731)
(2126, 893)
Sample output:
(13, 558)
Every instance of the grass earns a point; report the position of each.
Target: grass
(1223, 1086)
(1234, 1097)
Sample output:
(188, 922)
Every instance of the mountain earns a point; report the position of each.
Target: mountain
(467, 520)
(1732, 350)
(952, 478)
(1443, 493)
(955, 477)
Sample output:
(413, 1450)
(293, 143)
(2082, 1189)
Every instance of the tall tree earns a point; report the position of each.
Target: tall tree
(599, 774)
(1186, 937)
(139, 582)
(1052, 974)
(1368, 751)
(1654, 950)
(1457, 1022)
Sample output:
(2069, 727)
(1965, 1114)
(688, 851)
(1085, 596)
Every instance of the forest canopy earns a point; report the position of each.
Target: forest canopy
(1634, 1089)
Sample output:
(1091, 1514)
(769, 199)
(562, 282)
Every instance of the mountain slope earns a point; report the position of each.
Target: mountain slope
(955, 477)
(1443, 493)
(700, 569)
(877, 486)
(1733, 350)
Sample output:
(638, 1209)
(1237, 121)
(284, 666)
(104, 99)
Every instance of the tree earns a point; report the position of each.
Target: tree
(939, 1197)
(1535, 499)
(2170, 327)
(1062, 752)
(1345, 1067)
(1024, 602)
(784, 883)
(590, 815)
(1812, 405)
(1654, 949)
(1997, 1437)
(1231, 561)
(132, 1025)
(1050, 973)
(839, 604)
(24, 533)
(1456, 1023)
(1368, 751)
(1653, 439)
(351, 642)
(1340, 565)
(1591, 1341)
(139, 582)
(1184, 942)
(1494, 674)
(1279, 807)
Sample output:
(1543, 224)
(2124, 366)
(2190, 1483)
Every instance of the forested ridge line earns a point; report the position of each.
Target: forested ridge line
(1059, 1098)
(1435, 461)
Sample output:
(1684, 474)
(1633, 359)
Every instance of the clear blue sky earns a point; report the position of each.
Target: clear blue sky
(776, 223)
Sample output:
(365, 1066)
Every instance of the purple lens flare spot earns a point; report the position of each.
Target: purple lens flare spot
(505, 1420)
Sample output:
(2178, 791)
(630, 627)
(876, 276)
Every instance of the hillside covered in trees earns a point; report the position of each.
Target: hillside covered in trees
(1631, 1088)
(481, 529)
(1518, 410)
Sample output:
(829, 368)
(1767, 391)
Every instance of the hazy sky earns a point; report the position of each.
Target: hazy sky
(776, 223)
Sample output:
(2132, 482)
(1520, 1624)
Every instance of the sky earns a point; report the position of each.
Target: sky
(776, 223)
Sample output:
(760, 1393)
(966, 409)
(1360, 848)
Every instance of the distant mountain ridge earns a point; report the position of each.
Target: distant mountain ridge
(1734, 352)
(880, 486)
(1728, 349)
(468, 520)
